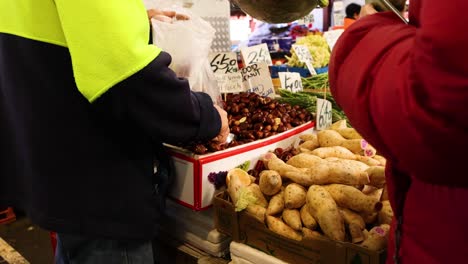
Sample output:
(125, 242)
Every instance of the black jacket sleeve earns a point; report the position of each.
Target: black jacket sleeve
(162, 105)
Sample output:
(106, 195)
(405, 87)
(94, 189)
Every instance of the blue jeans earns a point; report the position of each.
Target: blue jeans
(75, 249)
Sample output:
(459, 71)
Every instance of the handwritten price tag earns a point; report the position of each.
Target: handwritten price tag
(291, 81)
(304, 56)
(324, 114)
(225, 62)
(230, 82)
(257, 79)
(256, 54)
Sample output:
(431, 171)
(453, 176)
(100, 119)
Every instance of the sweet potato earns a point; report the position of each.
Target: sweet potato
(341, 124)
(355, 224)
(324, 209)
(276, 204)
(337, 151)
(349, 133)
(309, 137)
(255, 189)
(376, 194)
(292, 218)
(384, 194)
(350, 165)
(369, 218)
(278, 226)
(382, 160)
(315, 170)
(329, 138)
(377, 238)
(311, 234)
(307, 219)
(257, 211)
(270, 182)
(386, 214)
(351, 198)
(305, 160)
(368, 189)
(310, 142)
(376, 176)
(294, 196)
(368, 160)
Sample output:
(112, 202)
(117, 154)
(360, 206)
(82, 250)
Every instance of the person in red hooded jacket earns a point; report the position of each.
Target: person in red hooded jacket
(405, 89)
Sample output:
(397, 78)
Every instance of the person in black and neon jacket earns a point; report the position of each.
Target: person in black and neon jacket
(85, 104)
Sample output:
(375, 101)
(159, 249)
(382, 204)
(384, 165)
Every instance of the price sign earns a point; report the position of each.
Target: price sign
(256, 54)
(224, 62)
(309, 19)
(324, 114)
(304, 56)
(230, 82)
(338, 6)
(291, 81)
(332, 37)
(302, 53)
(257, 79)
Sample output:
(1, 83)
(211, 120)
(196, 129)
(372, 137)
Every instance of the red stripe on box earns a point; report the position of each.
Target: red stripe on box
(252, 146)
(183, 203)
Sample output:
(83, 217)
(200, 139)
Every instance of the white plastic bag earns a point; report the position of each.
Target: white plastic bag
(189, 43)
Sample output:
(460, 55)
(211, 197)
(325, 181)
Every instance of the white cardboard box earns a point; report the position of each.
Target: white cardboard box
(192, 188)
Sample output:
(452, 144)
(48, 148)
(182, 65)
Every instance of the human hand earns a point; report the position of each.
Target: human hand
(165, 16)
(224, 132)
(367, 10)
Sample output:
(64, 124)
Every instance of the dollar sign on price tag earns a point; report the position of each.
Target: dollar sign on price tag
(324, 114)
(256, 54)
(303, 54)
(224, 62)
(291, 81)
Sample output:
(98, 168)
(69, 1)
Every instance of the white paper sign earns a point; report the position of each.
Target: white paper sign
(224, 62)
(256, 54)
(257, 79)
(304, 56)
(291, 81)
(332, 37)
(309, 19)
(338, 6)
(230, 82)
(324, 114)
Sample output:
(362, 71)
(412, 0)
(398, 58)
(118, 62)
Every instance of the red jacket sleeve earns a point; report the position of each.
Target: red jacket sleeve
(405, 88)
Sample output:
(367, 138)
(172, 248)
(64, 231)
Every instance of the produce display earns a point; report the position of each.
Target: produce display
(330, 188)
(318, 48)
(253, 117)
(308, 100)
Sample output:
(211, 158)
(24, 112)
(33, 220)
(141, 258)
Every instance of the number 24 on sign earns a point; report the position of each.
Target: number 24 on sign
(324, 114)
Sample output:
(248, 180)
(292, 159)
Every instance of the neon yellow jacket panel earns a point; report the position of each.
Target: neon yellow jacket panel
(107, 39)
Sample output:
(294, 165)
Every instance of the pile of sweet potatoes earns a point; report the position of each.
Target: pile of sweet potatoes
(333, 189)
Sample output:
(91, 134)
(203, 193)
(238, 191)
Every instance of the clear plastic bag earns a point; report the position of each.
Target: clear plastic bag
(189, 43)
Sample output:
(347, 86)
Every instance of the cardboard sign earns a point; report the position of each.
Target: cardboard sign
(230, 82)
(257, 79)
(324, 114)
(256, 54)
(224, 62)
(291, 81)
(304, 56)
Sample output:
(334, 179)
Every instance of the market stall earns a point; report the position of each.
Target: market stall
(295, 183)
